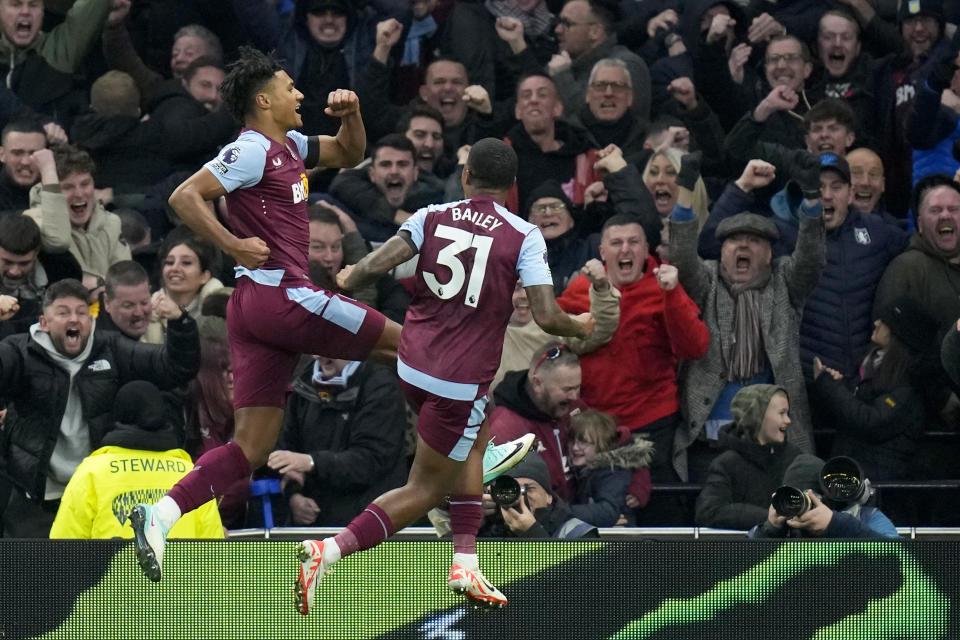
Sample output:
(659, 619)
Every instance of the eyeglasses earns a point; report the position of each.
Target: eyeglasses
(616, 87)
(789, 58)
(551, 354)
(566, 23)
(552, 206)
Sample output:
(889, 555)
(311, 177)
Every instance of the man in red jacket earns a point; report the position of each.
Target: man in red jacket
(633, 377)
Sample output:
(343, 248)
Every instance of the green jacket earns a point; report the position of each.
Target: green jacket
(65, 46)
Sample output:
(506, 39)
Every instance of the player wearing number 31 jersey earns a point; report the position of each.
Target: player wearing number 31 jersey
(470, 255)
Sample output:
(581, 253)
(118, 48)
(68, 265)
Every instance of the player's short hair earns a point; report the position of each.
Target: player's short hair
(24, 125)
(418, 110)
(66, 288)
(492, 164)
(125, 273)
(70, 160)
(19, 234)
(246, 77)
(831, 109)
(200, 63)
(115, 94)
(207, 253)
(210, 39)
(396, 141)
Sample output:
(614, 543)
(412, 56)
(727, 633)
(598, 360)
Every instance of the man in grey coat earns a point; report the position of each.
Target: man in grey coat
(752, 306)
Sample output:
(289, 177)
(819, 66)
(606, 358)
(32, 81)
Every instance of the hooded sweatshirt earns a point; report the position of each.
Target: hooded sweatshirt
(73, 441)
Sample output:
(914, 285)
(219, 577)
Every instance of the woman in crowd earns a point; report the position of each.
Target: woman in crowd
(187, 265)
(660, 178)
(879, 415)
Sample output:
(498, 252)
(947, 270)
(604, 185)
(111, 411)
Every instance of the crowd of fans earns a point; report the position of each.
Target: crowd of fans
(742, 193)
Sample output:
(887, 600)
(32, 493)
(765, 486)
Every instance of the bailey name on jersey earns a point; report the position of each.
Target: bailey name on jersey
(488, 222)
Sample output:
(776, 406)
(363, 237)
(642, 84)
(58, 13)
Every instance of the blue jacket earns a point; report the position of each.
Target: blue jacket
(838, 317)
(931, 131)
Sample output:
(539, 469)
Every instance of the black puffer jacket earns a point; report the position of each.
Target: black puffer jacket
(355, 437)
(36, 390)
(740, 481)
(838, 316)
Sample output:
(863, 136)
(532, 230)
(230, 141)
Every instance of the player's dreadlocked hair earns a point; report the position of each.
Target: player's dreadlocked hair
(246, 77)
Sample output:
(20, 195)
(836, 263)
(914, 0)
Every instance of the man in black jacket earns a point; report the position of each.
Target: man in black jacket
(59, 383)
(342, 441)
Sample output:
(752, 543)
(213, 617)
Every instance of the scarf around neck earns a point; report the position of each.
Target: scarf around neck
(535, 22)
(748, 357)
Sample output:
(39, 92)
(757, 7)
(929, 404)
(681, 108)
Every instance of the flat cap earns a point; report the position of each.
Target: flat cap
(748, 223)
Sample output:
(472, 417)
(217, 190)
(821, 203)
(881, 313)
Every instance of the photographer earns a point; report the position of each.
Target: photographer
(822, 507)
(532, 509)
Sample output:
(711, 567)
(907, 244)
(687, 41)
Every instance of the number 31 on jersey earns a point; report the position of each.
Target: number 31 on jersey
(461, 241)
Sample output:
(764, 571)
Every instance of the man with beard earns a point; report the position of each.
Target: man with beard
(388, 191)
(60, 381)
(900, 84)
(752, 305)
(928, 272)
(540, 400)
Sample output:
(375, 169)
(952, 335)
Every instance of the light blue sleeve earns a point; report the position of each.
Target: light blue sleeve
(880, 523)
(301, 142)
(532, 265)
(240, 164)
(414, 226)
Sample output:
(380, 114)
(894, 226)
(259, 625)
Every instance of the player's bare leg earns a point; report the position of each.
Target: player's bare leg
(432, 476)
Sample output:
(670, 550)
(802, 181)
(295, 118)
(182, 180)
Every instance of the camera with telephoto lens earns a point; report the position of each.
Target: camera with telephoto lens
(790, 502)
(506, 491)
(842, 481)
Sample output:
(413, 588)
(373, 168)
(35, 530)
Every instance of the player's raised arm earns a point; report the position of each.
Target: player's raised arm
(394, 251)
(554, 320)
(346, 149)
(189, 201)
